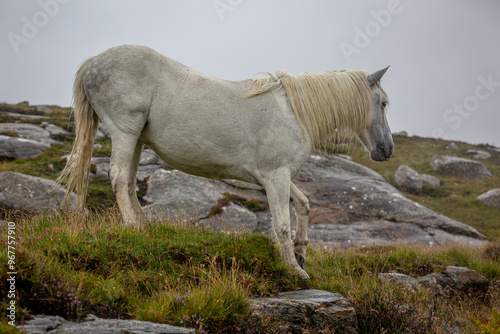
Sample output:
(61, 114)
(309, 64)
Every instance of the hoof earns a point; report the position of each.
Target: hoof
(301, 261)
(302, 274)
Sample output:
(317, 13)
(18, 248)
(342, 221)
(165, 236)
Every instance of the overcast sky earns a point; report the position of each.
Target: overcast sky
(444, 79)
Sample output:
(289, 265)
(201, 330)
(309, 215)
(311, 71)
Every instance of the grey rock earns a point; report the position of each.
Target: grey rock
(234, 218)
(455, 280)
(408, 179)
(54, 129)
(452, 146)
(102, 132)
(399, 279)
(20, 148)
(345, 196)
(180, 196)
(27, 131)
(25, 192)
(243, 185)
(451, 166)
(24, 116)
(429, 179)
(344, 156)
(382, 233)
(478, 154)
(351, 205)
(145, 171)
(102, 171)
(490, 198)
(401, 134)
(93, 325)
(44, 109)
(149, 157)
(305, 311)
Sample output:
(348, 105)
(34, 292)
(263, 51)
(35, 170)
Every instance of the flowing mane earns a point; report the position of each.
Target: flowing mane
(335, 105)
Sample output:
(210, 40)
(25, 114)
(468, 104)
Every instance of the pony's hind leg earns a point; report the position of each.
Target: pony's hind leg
(125, 155)
(301, 205)
(133, 179)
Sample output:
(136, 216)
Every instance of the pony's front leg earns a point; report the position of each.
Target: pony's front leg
(277, 185)
(301, 205)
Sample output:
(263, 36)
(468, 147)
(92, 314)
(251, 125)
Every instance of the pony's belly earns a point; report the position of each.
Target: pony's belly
(205, 166)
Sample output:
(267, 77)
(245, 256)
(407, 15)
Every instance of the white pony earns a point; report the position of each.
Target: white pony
(260, 131)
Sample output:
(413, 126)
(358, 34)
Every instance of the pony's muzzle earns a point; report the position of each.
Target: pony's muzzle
(382, 152)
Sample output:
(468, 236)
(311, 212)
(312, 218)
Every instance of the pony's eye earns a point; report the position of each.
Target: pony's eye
(384, 104)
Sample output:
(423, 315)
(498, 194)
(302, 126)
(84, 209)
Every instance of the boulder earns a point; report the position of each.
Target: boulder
(94, 325)
(455, 280)
(353, 205)
(25, 192)
(478, 154)
(179, 196)
(43, 109)
(149, 157)
(430, 180)
(411, 181)
(27, 131)
(23, 116)
(490, 198)
(233, 218)
(401, 134)
(452, 146)
(307, 311)
(408, 180)
(102, 132)
(451, 166)
(20, 148)
(148, 163)
(54, 129)
(399, 279)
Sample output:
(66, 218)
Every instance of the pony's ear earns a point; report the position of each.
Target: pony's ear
(376, 76)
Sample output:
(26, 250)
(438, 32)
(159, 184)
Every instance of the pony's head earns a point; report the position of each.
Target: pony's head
(377, 137)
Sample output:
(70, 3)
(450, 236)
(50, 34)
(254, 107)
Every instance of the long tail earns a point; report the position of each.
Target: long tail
(77, 169)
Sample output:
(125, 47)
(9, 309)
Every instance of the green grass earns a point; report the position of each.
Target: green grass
(72, 265)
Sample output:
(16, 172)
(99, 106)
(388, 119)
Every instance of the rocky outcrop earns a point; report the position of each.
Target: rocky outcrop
(400, 280)
(455, 280)
(401, 134)
(479, 154)
(54, 129)
(348, 197)
(430, 180)
(25, 192)
(451, 146)
(180, 196)
(39, 324)
(452, 281)
(20, 148)
(27, 131)
(490, 198)
(102, 132)
(450, 166)
(351, 205)
(306, 311)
